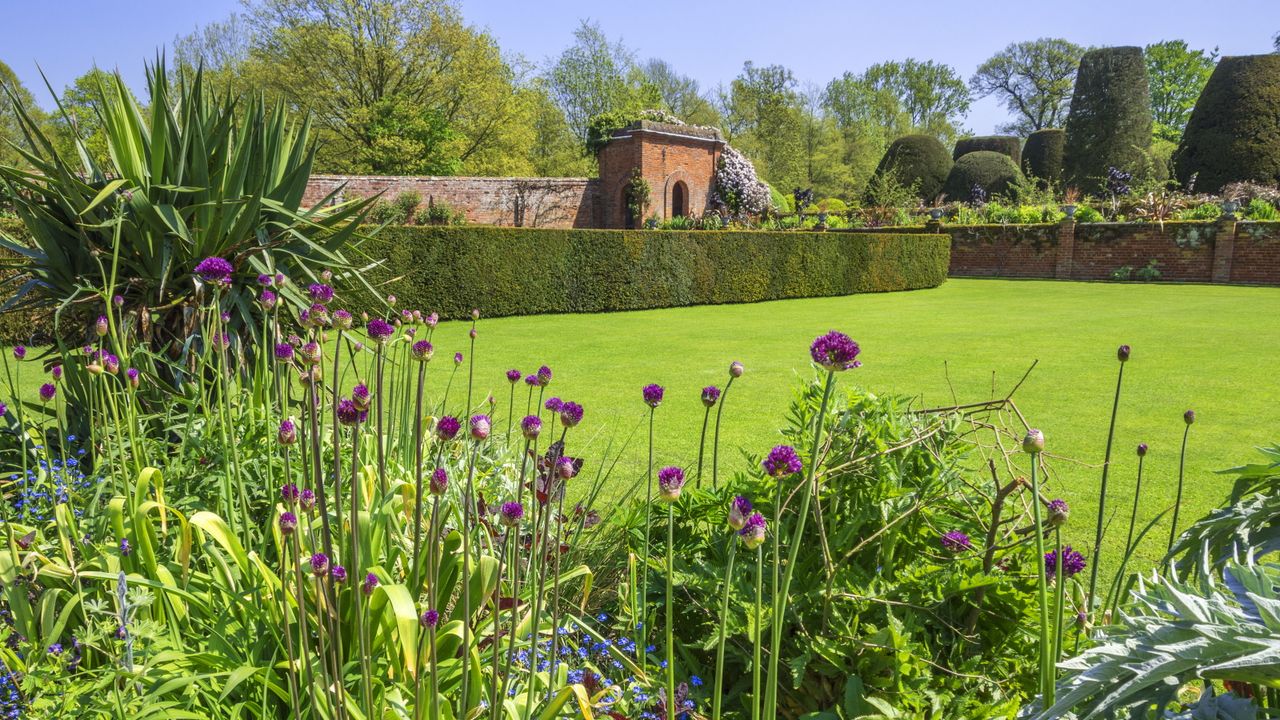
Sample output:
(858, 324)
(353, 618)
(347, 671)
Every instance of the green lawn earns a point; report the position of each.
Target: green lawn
(1211, 348)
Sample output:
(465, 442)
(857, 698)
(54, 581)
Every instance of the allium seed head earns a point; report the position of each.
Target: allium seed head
(1033, 442)
(1122, 354)
(1142, 449)
(956, 541)
(319, 565)
(736, 369)
(215, 270)
(439, 482)
(511, 514)
(307, 499)
(1189, 417)
(423, 350)
(570, 414)
(288, 433)
(288, 523)
(544, 376)
(513, 376)
(447, 428)
(429, 619)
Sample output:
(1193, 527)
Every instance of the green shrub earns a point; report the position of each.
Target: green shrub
(408, 202)
(783, 204)
(20, 327)
(1204, 211)
(991, 171)
(1234, 130)
(1088, 214)
(1042, 155)
(918, 161)
(1149, 273)
(1259, 209)
(385, 212)
(833, 205)
(1109, 124)
(439, 213)
(452, 270)
(1003, 144)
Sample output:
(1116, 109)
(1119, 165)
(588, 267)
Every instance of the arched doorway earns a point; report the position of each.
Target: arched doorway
(628, 217)
(679, 200)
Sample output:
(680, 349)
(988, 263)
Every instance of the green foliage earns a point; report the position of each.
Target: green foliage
(14, 98)
(1148, 273)
(597, 77)
(1088, 214)
(993, 172)
(1110, 120)
(917, 161)
(832, 205)
(932, 94)
(1259, 209)
(1234, 131)
(456, 269)
(602, 126)
(1033, 79)
(1003, 144)
(1177, 75)
(886, 191)
(1203, 211)
(439, 213)
(1042, 156)
(637, 194)
(998, 213)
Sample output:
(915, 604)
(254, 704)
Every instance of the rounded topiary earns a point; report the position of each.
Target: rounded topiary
(1109, 124)
(1234, 131)
(918, 160)
(981, 175)
(1003, 144)
(1042, 155)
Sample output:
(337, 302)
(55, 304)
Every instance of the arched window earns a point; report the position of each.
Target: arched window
(679, 199)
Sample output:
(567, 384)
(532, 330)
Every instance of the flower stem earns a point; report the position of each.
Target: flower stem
(1046, 686)
(1102, 496)
(757, 640)
(717, 689)
(715, 444)
(672, 710)
(1177, 503)
(702, 442)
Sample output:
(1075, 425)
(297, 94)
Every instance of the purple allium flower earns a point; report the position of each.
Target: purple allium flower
(531, 380)
(4, 409)
(754, 531)
(652, 395)
(566, 468)
(312, 353)
(317, 315)
(47, 391)
(379, 330)
(781, 461)
(447, 427)
(739, 511)
(111, 363)
(670, 483)
(319, 565)
(125, 547)
(56, 372)
(710, 395)
(349, 413)
(736, 369)
(511, 514)
(475, 314)
(339, 574)
(288, 523)
(280, 279)
(956, 541)
(101, 327)
(553, 404)
(1059, 511)
(1033, 441)
(570, 414)
(360, 395)
(117, 300)
(513, 376)
(370, 583)
(288, 433)
(215, 270)
(423, 350)
(391, 300)
(472, 333)
(480, 427)
(432, 320)
(307, 499)
(531, 426)
(284, 352)
(429, 619)
(320, 293)
(265, 280)
(1122, 354)
(544, 376)
(134, 377)
(267, 299)
(457, 358)
(342, 319)
(439, 482)
(1189, 417)
(1072, 562)
(289, 494)
(1142, 449)
(835, 351)
(19, 352)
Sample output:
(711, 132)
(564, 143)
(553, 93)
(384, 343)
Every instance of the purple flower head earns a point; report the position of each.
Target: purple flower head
(531, 380)
(360, 396)
(739, 511)
(284, 352)
(47, 391)
(544, 376)
(288, 523)
(289, 494)
(215, 270)
(423, 350)
(1072, 562)
(670, 483)
(319, 564)
(379, 330)
(288, 433)
(480, 427)
(652, 395)
(570, 414)
(781, 461)
(111, 363)
(125, 547)
(369, 584)
(439, 481)
(1122, 354)
(19, 352)
(511, 514)
(710, 395)
(1189, 417)
(513, 376)
(835, 351)
(280, 279)
(429, 619)
(101, 327)
(566, 468)
(736, 369)
(432, 320)
(134, 377)
(349, 413)
(342, 319)
(1059, 511)
(531, 426)
(1142, 449)
(447, 427)
(265, 280)
(339, 574)
(472, 333)
(307, 499)
(312, 353)
(267, 299)
(56, 372)
(4, 409)
(320, 293)
(956, 541)
(117, 300)
(553, 404)
(317, 316)
(1033, 441)
(754, 531)
(457, 358)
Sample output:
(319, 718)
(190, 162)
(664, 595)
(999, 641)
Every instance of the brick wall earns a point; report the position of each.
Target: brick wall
(673, 159)
(1223, 251)
(521, 202)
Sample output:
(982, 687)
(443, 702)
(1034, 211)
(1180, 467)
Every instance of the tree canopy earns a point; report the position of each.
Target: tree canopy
(1177, 75)
(1033, 80)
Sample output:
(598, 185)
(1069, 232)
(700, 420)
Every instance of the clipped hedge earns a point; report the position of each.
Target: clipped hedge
(1109, 124)
(1042, 155)
(1234, 131)
(1003, 144)
(515, 271)
(918, 160)
(992, 171)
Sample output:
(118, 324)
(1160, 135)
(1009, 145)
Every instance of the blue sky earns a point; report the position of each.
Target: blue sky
(707, 39)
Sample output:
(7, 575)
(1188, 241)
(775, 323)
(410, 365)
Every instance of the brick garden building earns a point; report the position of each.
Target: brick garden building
(677, 161)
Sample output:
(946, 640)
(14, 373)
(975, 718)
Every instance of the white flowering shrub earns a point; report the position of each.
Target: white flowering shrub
(737, 187)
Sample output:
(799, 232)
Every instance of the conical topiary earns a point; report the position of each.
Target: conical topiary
(1234, 131)
(1109, 124)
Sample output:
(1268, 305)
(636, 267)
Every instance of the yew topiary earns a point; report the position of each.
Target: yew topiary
(980, 175)
(917, 160)
(1110, 120)
(1234, 131)
(1042, 155)
(1003, 144)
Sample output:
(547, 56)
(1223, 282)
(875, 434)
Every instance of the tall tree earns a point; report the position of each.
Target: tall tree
(79, 117)
(594, 76)
(1033, 80)
(680, 93)
(764, 118)
(12, 89)
(1177, 74)
(933, 94)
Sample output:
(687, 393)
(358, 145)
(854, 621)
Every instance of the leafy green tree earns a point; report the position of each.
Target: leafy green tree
(78, 116)
(1033, 80)
(680, 94)
(1177, 74)
(11, 90)
(824, 168)
(932, 94)
(594, 76)
(764, 118)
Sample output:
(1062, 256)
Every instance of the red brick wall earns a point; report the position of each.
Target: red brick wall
(666, 155)
(1256, 257)
(1182, 251)
(525, 202)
